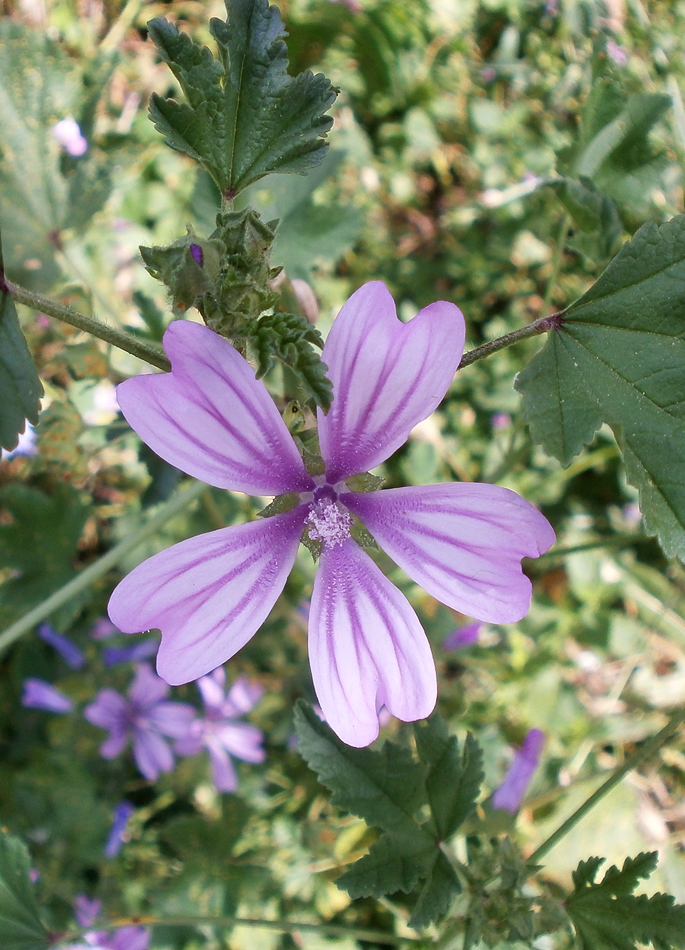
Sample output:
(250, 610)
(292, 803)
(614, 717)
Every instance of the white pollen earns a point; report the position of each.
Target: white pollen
(328, 523)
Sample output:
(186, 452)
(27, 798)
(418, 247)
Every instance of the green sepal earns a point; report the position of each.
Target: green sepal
(363, 536)
(280, 505)
(176, 267)
(364, 482)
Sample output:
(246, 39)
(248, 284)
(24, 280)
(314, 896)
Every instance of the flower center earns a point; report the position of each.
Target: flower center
(328, 522)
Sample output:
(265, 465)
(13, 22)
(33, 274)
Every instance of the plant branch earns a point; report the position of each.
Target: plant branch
(647, 750)
(543, 325)
(98, 568)
(284, 926)
(124, 341)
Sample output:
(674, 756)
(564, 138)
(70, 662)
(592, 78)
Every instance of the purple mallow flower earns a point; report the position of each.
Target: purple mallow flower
(510, 793)
(70, 653)
(144, 718)
(86, 911)
(220, 733)
(463, 543)
(39, 694)
(462, 637)
(117, 834)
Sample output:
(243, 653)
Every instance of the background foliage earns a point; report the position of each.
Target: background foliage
(495, 153)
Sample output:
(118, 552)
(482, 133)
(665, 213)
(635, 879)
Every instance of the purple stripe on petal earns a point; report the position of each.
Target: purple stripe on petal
(366, 646)
(69, 652)
(38, 694)
(512, 790)
(209, 594)
(463, 543)
(387, 376)
(212, 418)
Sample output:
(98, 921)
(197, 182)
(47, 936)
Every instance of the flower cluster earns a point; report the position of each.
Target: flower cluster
(463, 543)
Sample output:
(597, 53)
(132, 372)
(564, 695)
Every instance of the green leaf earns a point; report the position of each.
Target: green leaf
(618, 356)
(394, 863)
(607, 916)
(384, 788)
(40, 545)
(436, 895)
(42, 190)
(245, 116)
(20, 925)
(593, 212)
(20, 387)
(452, 782)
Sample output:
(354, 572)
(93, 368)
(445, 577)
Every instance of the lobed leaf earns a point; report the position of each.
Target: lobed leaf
(453, 782)
(607, 916)
(384, 788)
(20, 387)
(396, 862)
(618, 356)
(245, 116)
(20, 925)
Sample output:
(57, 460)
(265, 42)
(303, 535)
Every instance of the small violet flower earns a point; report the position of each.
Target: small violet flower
(510, 793)
(220, 733)
(144, 718)
(39, 694)
(117, 834)
(70, 653)
(462, 637)
(463, 543)
(86, 911)
(144, 650)
(68, 134)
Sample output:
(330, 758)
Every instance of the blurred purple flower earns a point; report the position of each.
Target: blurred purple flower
(117, 835)
(70, 653)
(220, 733)
(500, 420)
(68, 134)
(144, 650)
(144, 718)
(86, 910)
(510, 793)
(462, 637)
(103, 628)
(25, 446)
(616, 53)
(462, 542)
(39, 694)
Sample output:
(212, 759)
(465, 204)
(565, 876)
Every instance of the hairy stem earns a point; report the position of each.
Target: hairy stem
(543, 325)
(647, 750)
(124, 341)
(284, 926)
(98, 568)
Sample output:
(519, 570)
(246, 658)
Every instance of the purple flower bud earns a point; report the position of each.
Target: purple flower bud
(111, 656)
(510, 793)
(86, 910)
(616, 53)
(69, 652)
(197, 255)
(103, 628)
(117, 834)
(38, 694)
(462, 637)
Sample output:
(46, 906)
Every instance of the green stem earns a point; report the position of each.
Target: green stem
(533, 329)
(631, 763)
(284, 926)
(98, 568)
(124, 341)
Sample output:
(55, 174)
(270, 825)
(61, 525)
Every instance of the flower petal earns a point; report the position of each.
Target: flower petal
(386, 376)
(367, 648)
(171, 718)
(147, 688)
(109, 710)
(224, 774)
(152, 754)
(241, 739)
(463, 543)
(212, 418)
(209, 594)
